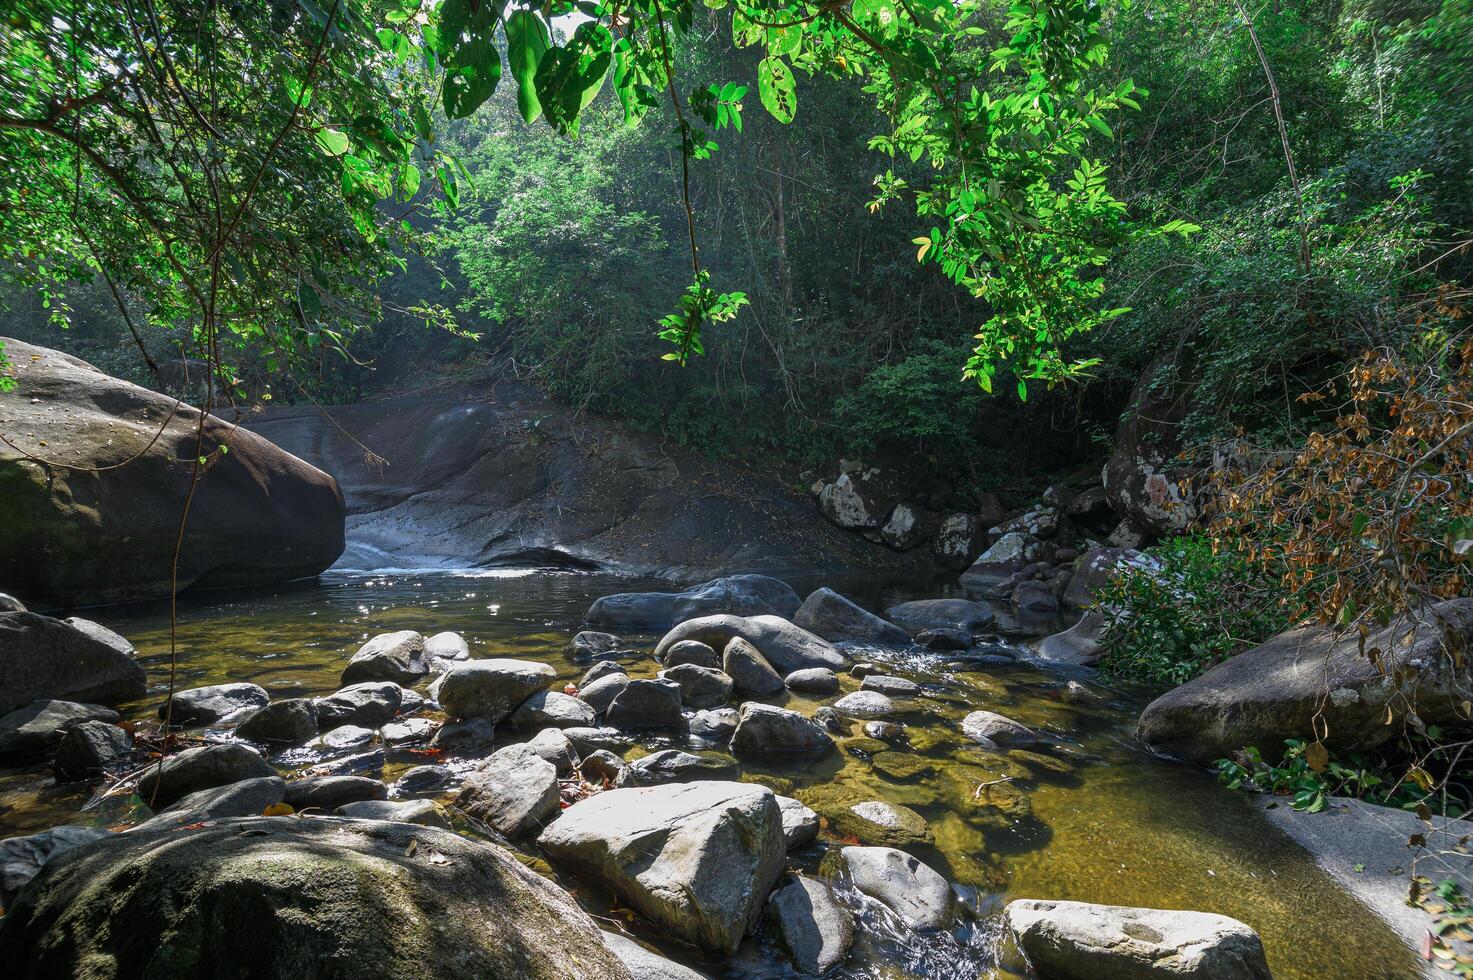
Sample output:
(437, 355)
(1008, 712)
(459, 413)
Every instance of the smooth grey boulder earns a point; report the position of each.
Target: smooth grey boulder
(214, 703)
(426, 813)
(490, 689)
(1081, 941)
(904, 884)
(993, 572)
(601, 767)
(371, 704)
(864, 704)
(397, 657)
(423, 779)
(767, 730)
(945, 638)
(587, 740)
(691, 652)
(895, 687)
(645, 965)
(551, 709)
(202, 767)
(551, 744)
(646, 704)
(595, 645)
(812, 680)
(697, 859)
(674, 766)
(281, 897)
(807, 920)
(408, 731)
(88, 747)
(44, 659)
(785, 646)
(247, 798)
(800, 823)
(345, 737)
(1272, 692)
(715, 724)
(1078, 646)
(827, 614)
(992, 729)
(600, 669)
(928, 614)
(38, 726)
(464, 737)
(736, 595)
(327, 793)
(444, 649)
(751, 675)
(601, 692)
(514, 790)
(286, 722)
(700, 687)
(21, 858)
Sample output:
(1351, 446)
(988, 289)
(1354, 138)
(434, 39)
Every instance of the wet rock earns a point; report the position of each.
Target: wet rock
(345, 737)
(895, 687)
(444, 649)
(827, 614)
(286, 722)
(425, 813)
(1035, 597)
(786, 646)
(551, 744)
(673, 766)
(645, 965)
(752, 676)
(999, 564)
(735, 595)
(905, 885)
(863, 670)
(1079, 645)
(697, 859)
(247, 798)
(990, 729)
(601, 669)
(646, 704)
(21, 858)
(800, 823)
(767, 730)
(326, 793)
(397, 657)
(464, 737)
(89, 747)
(926, 614)
(859, 500)
(215, 703)
(203, 767)
(587, 740)
(907, 527)
(514, 790)
(424, 779)
(814, 680)
(44, 659)
(38, 726)
(989, 803)
(865, 704)
(601, 766)
(901, 766)
(808, 921)
(691, 652)
(945, 638)
(370, 763)
(957, 540)
(1273, 691)
(888, 731)
(408, 732)
(700, 687)
(1080, 941)
(370, 898)
(592, 645)
(490, 689)
(882, 824)
(831, 720)
(9, 603)
(715, 724)
(602, 691)
(550, 709)
(372, 704)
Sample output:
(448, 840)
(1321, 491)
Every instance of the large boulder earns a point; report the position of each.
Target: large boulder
(42, 659)
(698, 859)
(217, 702)
(247, 798)
(1143, 478)
(552, 709)
(861, 499)
(203, 767)
(1274, 691)
(398, 657)
(370, 704)
(274, 896)
(919, 615)
(326, 793)
(288, 721)
(646, 704)
(1078, 646)
(827, 614)
(990, 574)
(906, 885)
(490, 689)
(22, 857)
(700, 687)
(1081, 941)
(957, 540)
(735, 595)
(907, 527)
(40, 725)
(786, 646)
(767, 730)
(94, 531)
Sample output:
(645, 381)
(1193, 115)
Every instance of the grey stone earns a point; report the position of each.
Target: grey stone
(21, 858)
(601, 692)
(371, 704)
(1079, 645)
(1093, 570)
(408, 732)
(945, 638)
(397, 657)
(860, 500)
(551, 744)
(444, 649)
(203, 767)
(551, 709)
(992, 729)
(425, 813)
(907, 527)
(800, 823)
(908, 887)
(601, 767)
(785, 646)
(464, 737)
(811, 925)
(286, 722)
(593, 645)
(514, 790)
(674, 766)
(827, 614)
(38, 726)
(215, 703)
(714, 723)
(750, 673)
(326, 793)
(895, 687)
(813, 680)
(767, 730)
(865, 704)
(490, 689)
(587, 740)
(700, 687)
(90, 746)
(345, 737)
(602, 668)
(247, 798)
(926, 614)
(9, 603)
(43, 659)
(424, 779)
(883, 824)
(645, 965)
(736, 595)
(691, 652)
(646, 704)
(957, 540)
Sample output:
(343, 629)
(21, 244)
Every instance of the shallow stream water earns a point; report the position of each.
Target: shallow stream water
(1092, 817)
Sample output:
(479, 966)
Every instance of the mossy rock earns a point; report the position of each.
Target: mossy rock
(881, 824)
(901, 766)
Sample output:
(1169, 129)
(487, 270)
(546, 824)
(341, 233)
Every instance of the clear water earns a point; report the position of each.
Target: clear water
(1108, 822)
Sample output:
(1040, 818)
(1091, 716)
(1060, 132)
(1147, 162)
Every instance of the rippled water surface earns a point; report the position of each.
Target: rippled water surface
(1091, 817)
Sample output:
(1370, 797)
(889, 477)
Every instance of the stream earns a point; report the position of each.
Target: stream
(1090, 817)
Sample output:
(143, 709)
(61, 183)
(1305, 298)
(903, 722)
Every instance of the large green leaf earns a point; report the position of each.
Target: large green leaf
(568, 77)
(775, 86)
(526, 42)
(471, 77)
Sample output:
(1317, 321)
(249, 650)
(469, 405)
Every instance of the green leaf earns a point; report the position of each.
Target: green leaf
(568, 77)
(332, 142)
(526, 42)
(775, 86)
(471, 77)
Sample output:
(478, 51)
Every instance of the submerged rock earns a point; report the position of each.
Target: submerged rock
(786, 646)
(827, 614)
(908, 887)
(490, 689)
(44, 659)
(203, 767)
(285, 722)
(40, 725)
(882, 824)
(698, 859)
(1080, 941)
(736, 595)
(272, 896)
(398, 657)
(215, 703)
(811, 925)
